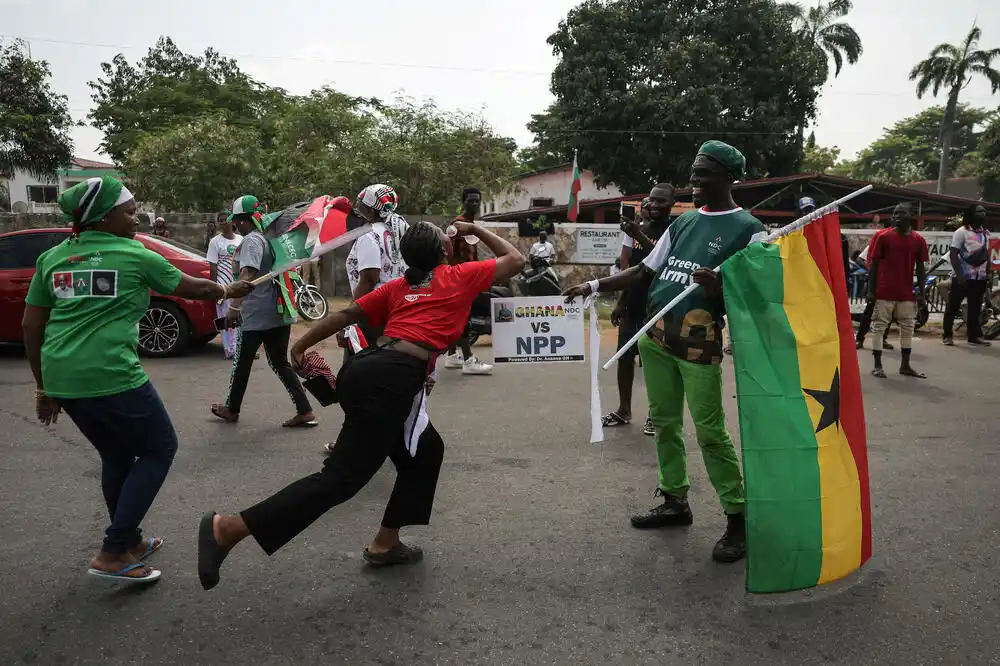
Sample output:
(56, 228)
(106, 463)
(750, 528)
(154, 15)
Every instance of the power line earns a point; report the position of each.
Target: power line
(336, 61)
(403, 65)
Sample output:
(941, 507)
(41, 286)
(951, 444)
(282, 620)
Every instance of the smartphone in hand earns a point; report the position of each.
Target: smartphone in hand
(628, 213)
(220, 324)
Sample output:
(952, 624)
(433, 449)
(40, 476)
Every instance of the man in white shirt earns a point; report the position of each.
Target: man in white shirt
(375, 258)
(221, 251)
(543, 249)
(970, 274)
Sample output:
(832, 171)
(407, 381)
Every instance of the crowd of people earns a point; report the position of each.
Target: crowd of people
(412, 288)
(894, 256)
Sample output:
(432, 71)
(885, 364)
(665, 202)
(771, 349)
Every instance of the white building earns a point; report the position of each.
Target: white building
(548, 187)
(29, 194)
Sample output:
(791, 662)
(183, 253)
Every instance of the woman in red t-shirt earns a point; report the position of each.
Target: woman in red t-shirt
(421, 315)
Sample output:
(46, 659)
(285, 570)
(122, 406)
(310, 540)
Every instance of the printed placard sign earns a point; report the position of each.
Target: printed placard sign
(537, 330)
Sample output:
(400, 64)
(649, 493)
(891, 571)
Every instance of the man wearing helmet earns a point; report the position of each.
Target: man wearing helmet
(375, 257)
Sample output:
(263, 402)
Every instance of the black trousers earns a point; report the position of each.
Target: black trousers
(376, 392)
(275, 341)
(974, 291)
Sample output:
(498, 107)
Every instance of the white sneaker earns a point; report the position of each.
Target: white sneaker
(454, 361)
(474, 366)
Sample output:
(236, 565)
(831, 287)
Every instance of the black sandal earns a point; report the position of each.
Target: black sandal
(210, 554)
(614, 419)
(398, 554)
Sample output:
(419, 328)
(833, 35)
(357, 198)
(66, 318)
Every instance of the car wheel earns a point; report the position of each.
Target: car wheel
(163, 330)
(198, 343)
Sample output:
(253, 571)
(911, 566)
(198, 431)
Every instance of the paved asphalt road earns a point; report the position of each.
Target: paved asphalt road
(530, 559)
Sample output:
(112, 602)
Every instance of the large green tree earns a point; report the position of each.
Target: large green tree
(169, 88)
(34, 121)
(194, 131)
(984, 162)
(822, 26)
(641, 83)
(908, 151)
(320, 144)
(430, 156)
(989, 153)
(952, 67)
(816, 158)
(199, 166)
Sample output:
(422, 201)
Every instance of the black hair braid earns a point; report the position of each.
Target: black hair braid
(421, 248)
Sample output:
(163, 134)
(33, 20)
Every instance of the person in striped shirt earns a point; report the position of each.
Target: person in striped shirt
(221, 252)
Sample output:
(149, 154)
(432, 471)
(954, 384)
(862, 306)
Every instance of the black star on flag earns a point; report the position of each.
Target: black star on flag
(829, 401)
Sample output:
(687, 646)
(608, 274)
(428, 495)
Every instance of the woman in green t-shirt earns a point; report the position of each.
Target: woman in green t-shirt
(81, 332)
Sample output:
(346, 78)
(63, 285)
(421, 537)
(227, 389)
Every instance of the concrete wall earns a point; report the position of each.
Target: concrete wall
(190, 228)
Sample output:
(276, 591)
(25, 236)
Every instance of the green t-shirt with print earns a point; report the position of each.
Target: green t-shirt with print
(693, 329)
(97, 288)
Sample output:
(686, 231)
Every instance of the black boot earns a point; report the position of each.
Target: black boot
(674, 511)
(732, 547)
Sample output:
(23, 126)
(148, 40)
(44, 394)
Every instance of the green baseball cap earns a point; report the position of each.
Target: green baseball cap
(247, 203)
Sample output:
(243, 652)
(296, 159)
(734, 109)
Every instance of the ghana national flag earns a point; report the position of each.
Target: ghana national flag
(802, 426)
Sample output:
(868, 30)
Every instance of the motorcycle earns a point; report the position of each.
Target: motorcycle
(480, 316)
(991, 314)
(538, 279)
(309, 300)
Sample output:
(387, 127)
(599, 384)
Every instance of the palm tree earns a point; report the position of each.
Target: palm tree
(954, 67)
(821, 26)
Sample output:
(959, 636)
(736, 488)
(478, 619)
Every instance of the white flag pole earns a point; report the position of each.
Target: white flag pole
(329, 246)
(769, 238)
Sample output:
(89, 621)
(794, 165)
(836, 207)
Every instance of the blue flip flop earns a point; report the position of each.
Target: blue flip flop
(152, 548)
(154, 574)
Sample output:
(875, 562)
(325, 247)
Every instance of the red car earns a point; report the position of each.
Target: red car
(171, 325)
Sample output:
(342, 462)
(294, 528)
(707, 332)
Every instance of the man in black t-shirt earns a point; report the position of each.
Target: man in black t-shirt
(629, 315)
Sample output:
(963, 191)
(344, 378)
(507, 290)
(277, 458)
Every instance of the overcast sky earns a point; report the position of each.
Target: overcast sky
(472, 55)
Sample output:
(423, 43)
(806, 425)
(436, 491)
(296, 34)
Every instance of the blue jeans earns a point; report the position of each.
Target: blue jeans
(136, 440)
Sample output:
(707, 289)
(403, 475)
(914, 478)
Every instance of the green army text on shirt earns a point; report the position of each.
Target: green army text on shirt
(98, 289)
(692, 330)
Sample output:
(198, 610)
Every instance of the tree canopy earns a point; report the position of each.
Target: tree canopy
(953, 67)
(908, 151)
(821, 25)
(984, 162)
(817, 159)
(169, 88)
(193, 132)
(34, 120)
(641, 83)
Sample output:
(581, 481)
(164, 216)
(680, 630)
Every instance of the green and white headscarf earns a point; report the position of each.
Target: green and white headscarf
(87, 203)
